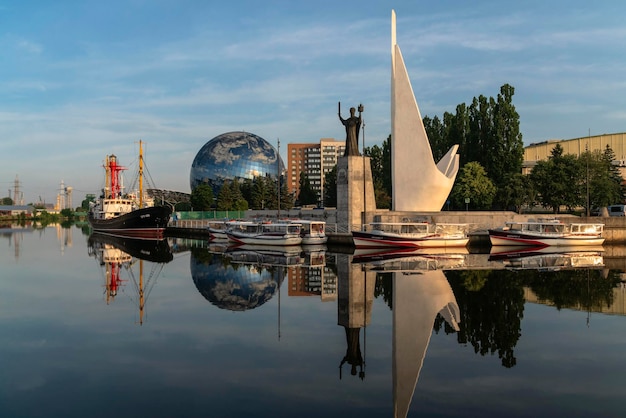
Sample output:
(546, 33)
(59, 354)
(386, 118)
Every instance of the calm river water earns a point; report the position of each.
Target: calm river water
(91, 327)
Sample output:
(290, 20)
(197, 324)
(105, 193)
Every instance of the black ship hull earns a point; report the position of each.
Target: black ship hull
(157, 251)
(149, 223)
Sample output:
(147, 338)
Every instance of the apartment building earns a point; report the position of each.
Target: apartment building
(314, 159)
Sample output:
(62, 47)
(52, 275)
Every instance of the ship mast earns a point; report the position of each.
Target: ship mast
(140, 175)
(141, 294)
(107, 178)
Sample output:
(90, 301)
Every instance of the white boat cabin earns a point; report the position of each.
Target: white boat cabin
(419, 228)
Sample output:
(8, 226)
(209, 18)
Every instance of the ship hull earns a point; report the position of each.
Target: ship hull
(149, 223)
(157, 251)
(501, 237)
(363, 239)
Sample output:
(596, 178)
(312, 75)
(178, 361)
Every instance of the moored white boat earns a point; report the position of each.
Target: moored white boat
(411, 234)
(217, 228)
(547, 232)
(312, 232)
(266, 233)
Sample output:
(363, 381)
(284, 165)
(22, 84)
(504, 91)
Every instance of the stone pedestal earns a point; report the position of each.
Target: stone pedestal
(355, 293)
(355, 192)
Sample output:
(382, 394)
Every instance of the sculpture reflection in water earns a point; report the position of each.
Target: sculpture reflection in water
(355, 298)
(421, 292)
(118, 256)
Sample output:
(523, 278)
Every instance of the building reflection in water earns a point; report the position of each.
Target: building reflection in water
(118, 254)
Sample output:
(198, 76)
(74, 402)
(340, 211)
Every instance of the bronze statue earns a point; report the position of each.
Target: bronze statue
(353, 125)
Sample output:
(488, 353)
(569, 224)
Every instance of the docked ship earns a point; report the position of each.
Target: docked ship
(130, 214)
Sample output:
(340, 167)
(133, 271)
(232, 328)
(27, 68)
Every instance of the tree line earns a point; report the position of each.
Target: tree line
(491, 154)
(238, 195)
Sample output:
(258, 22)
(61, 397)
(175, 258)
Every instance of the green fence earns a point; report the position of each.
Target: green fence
(212, 214)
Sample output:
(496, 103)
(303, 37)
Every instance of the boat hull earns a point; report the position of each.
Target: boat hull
(263, 238)
(364, 239)
(314, 240)
(149, 223)
(500, 237)
(157, 251)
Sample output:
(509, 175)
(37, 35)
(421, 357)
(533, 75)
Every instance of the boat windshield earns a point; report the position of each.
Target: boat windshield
(401, 228)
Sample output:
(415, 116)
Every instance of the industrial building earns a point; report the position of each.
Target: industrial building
(541, 151)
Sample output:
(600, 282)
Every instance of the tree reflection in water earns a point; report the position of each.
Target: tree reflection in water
(491, 302)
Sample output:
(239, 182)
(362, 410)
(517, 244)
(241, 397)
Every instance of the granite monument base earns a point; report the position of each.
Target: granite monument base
(355, 192)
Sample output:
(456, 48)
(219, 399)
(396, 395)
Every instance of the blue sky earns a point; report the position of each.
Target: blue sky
(83, 79)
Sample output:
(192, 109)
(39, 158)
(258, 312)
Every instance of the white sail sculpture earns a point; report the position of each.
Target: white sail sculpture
(418, 183)
(417, 299)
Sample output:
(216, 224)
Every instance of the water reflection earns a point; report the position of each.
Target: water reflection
(118, 257)
(423, 300)
(355, 298)
(238, 281)
(419, 297)
(548, 258)
(474, 298)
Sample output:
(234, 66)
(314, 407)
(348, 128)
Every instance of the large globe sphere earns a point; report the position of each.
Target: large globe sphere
(234, 155)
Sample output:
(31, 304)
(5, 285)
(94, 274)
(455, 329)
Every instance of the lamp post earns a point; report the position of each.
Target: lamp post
(363, 228)
(587, 160)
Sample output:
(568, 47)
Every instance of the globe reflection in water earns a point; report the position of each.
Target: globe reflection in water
(231, 155)
(235, 287)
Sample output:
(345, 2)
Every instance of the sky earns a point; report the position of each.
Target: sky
(80, 80)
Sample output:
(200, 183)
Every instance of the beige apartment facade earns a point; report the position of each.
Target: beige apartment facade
(315, 159)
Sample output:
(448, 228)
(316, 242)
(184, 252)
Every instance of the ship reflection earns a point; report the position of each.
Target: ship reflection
(119, 255)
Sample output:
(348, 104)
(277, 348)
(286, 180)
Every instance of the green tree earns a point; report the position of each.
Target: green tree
(472, 182)
(307, 195)
(286, 198)
(7, 201)
(607, 183)
(89, 197)
(330, 188)
(225, 198)
(247, 188)
(259, 193)
(386, 174)
(202, 197)
(480, 124)
(380, 162)
(559, 181)
(516, 191)
(506, 148)
(67, 213)
(487, 131)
